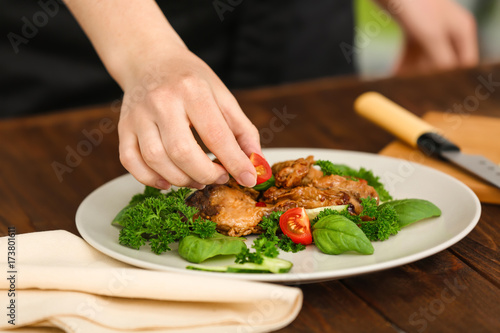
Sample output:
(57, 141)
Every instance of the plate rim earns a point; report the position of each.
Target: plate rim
(295, 278)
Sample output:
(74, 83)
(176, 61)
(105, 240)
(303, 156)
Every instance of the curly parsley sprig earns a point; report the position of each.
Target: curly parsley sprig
(269, 242)
(160, 219)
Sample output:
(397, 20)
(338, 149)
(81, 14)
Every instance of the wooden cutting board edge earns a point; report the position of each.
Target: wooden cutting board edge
(468, 128)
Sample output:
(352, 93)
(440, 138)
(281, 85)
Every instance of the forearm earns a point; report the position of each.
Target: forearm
(134, 40)
(126, 34)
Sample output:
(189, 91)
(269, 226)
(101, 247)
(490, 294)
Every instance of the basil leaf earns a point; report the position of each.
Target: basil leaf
(335, 234)
(412, 210)
(118, 220)
(196, 249)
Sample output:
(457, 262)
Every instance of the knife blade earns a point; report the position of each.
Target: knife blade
(419, 134)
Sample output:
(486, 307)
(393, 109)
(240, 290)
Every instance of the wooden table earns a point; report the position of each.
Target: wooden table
(456, 290)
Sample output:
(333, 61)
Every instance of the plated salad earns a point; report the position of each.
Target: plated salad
(295, 204)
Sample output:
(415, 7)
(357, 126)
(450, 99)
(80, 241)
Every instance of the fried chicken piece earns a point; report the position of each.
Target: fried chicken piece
(295, 172)
(312, 175)
(321, 192)
(298, 184)
(305, 196)
(254, 194)
(232, 208)
(356, 188)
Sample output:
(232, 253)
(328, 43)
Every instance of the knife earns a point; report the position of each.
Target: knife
(419, 134)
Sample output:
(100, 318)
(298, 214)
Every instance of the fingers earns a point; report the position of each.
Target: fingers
(144, 156)
(155, 156)
(214, 130)
(132, 160)
(243, 129)
(164, 151)
(465, 42)
(446, 39)
(156, 142)
(441, 53)
(185, 153)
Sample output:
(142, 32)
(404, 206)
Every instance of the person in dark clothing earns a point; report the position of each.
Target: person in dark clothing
(175, 60)
(48, 63)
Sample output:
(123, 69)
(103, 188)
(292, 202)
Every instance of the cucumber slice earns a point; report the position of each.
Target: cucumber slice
(207, 268)
(269, 265)
(248, 267)
(313, 212)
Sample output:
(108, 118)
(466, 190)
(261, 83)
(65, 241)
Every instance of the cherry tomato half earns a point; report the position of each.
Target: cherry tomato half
(263, 169)
(295, 224)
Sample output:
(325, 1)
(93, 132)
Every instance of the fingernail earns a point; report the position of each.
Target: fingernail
(222, 179)
(162, 184)
(199, 186)
(247, 179)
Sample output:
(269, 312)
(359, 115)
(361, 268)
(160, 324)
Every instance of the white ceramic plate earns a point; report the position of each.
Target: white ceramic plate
(460, 213)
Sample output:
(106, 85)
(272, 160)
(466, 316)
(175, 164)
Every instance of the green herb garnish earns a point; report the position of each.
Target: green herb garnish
(329, 168)
(159, 220)
(268, 243)
(336, 234)
(384, 224)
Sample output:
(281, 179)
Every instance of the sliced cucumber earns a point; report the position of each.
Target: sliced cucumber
(313, 212)
(222, 269)
(269, 265)
(248, 267)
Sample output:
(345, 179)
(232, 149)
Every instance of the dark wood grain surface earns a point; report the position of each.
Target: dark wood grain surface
(50, 163)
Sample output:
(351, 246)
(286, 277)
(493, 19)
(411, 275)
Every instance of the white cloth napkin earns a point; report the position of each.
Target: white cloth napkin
(62, 282)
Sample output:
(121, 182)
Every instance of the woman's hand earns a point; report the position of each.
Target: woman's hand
(157, 145)
(439, 35)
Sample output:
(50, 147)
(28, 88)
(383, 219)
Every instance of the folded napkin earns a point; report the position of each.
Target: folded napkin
(59, 281)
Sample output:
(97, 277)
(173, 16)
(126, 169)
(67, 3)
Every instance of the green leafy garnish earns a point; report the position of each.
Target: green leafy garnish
(330, 168)
(148, 192)
(383, 224)
(195, 249)
(265, 185)
(160, 220)
(379, 222)
(412, 210)
(268, 243)
(336, 234)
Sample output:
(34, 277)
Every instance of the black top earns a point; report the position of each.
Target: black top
(47, 62)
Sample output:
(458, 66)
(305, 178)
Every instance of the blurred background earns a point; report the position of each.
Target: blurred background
(375, 56)
(55, 67)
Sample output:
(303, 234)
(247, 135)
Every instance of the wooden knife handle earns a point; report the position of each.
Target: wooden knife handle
(392, 117)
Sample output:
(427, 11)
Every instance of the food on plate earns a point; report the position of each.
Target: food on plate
(231, 207)
(159, 220)
(336, 234)
(238, 210)
(295, 224)
(264, 172)
(268, 265)
(294, 204)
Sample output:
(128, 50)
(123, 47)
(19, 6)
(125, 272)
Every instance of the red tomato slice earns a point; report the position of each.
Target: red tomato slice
(295, 224)
(263, 169)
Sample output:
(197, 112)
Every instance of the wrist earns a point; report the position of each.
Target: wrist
(143, 63)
